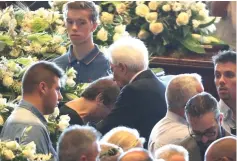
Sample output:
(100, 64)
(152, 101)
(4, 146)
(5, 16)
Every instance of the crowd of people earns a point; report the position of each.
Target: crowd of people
(127, 112)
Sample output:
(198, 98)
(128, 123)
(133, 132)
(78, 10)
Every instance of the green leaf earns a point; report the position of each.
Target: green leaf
(186, 30)
(192, 44)
(207, 24)
(7, 40)
(2, 45)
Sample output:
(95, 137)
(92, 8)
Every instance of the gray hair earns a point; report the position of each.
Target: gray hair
(76, 141)
(145, 155)
(201, 104)
(181, 88)
(124, 137)
(82, 5)
(129, 51)
(167, 151)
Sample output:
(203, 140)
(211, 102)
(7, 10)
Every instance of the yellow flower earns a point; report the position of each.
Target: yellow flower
(107, 18)
(153, 5)
(142, 10)
(61, 50)
(12, 145)
(156, 27)
(8, 154)
(120, 29)
(102, 34)
(7, 81)
(182, 19)
(166, 8)
(116, 36)
(121, 8)
(151, 17)
(143, 34)
(1, 120)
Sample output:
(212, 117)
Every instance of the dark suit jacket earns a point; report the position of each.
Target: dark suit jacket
(140, 105)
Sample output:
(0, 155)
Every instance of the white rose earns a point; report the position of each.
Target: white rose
(142, 10)
(195, 23)
(166, 8)
(153, 5)
(3, 101)
(121, 8)
(203, 13)
(1, 120)
(56, 112)
(107, 18)
(63, 124)
(156, 28)
(102, 34)
(30, 146)
(8, 154)
(60, 30)
(182, 19)
(61, 50)
(120, 29)
(65, 118)
(7, 81)
(6, 18)
(116, 36)
(29, 154)
(151, 17)
(176, 6)
(200, 6)
(57, 39)
(12, 145)
(59, 22)
(143, 34)
(70, 82)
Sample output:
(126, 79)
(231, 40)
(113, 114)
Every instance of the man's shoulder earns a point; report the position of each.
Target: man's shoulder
(189, 143)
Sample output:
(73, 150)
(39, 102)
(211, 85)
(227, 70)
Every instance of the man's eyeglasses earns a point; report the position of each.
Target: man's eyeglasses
(198, 135)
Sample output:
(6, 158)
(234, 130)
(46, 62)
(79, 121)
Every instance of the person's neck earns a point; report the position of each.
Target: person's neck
(178, 111)
(82, 50)
(81, 106)
(35, 100)
(232, 105)
(132, 75)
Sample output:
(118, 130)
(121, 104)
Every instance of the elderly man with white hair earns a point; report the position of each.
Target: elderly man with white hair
(141, 102)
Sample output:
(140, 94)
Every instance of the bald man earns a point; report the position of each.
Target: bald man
(223, 149)
(136, 154)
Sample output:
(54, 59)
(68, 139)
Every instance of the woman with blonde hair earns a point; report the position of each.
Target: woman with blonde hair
(109, 152)
(124, 137)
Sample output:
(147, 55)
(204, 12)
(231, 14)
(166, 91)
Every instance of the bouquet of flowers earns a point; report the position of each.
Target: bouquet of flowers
(172, 26)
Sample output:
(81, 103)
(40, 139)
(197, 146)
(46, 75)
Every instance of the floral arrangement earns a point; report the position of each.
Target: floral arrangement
(13, 151)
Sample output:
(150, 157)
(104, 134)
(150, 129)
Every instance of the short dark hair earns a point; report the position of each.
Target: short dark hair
(105, 86)
(201, 104)
(76, 141)
(224, 57)
(38, 72)
(84, 5)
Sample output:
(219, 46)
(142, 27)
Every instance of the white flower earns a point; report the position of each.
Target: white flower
(3, 101)
(151, 17)
(65, 118)
(60, 30)
(121, 8)
(107, 18)
(143, 34)
(7, 81)
(182, 19)
(98, 8)
(57, 39)
(200, 6)
(102, 34)
(1, 120)
(30, 146)
(71, 73)
(142, 10)
(12, 145)
(176, 6)
(63, 124)
(156, 27)
(120, 29)
(203, 13)
(166, 8)
(117, 36)
(8, 154)
(56, 112)
(29, 154)
(196, 23)
(70, 82)
(153, 5)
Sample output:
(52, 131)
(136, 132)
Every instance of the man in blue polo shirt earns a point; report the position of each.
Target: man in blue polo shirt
(81, 19)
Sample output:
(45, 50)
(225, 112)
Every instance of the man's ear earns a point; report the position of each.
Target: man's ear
(123, 68)
(43, 87)
(94, 26)
(99, 99)
(221, 116)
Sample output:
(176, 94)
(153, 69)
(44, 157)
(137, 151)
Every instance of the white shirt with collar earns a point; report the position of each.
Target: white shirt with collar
(171, 129)
(228, 122)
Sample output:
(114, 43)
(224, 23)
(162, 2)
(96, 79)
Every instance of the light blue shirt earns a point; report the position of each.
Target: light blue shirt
(24, 116)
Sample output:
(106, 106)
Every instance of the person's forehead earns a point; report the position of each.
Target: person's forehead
(203, 122)
(78, 14)
(228, 66)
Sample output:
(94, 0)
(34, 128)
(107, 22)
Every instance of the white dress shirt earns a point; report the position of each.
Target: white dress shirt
(228, 122)
(172, 128)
